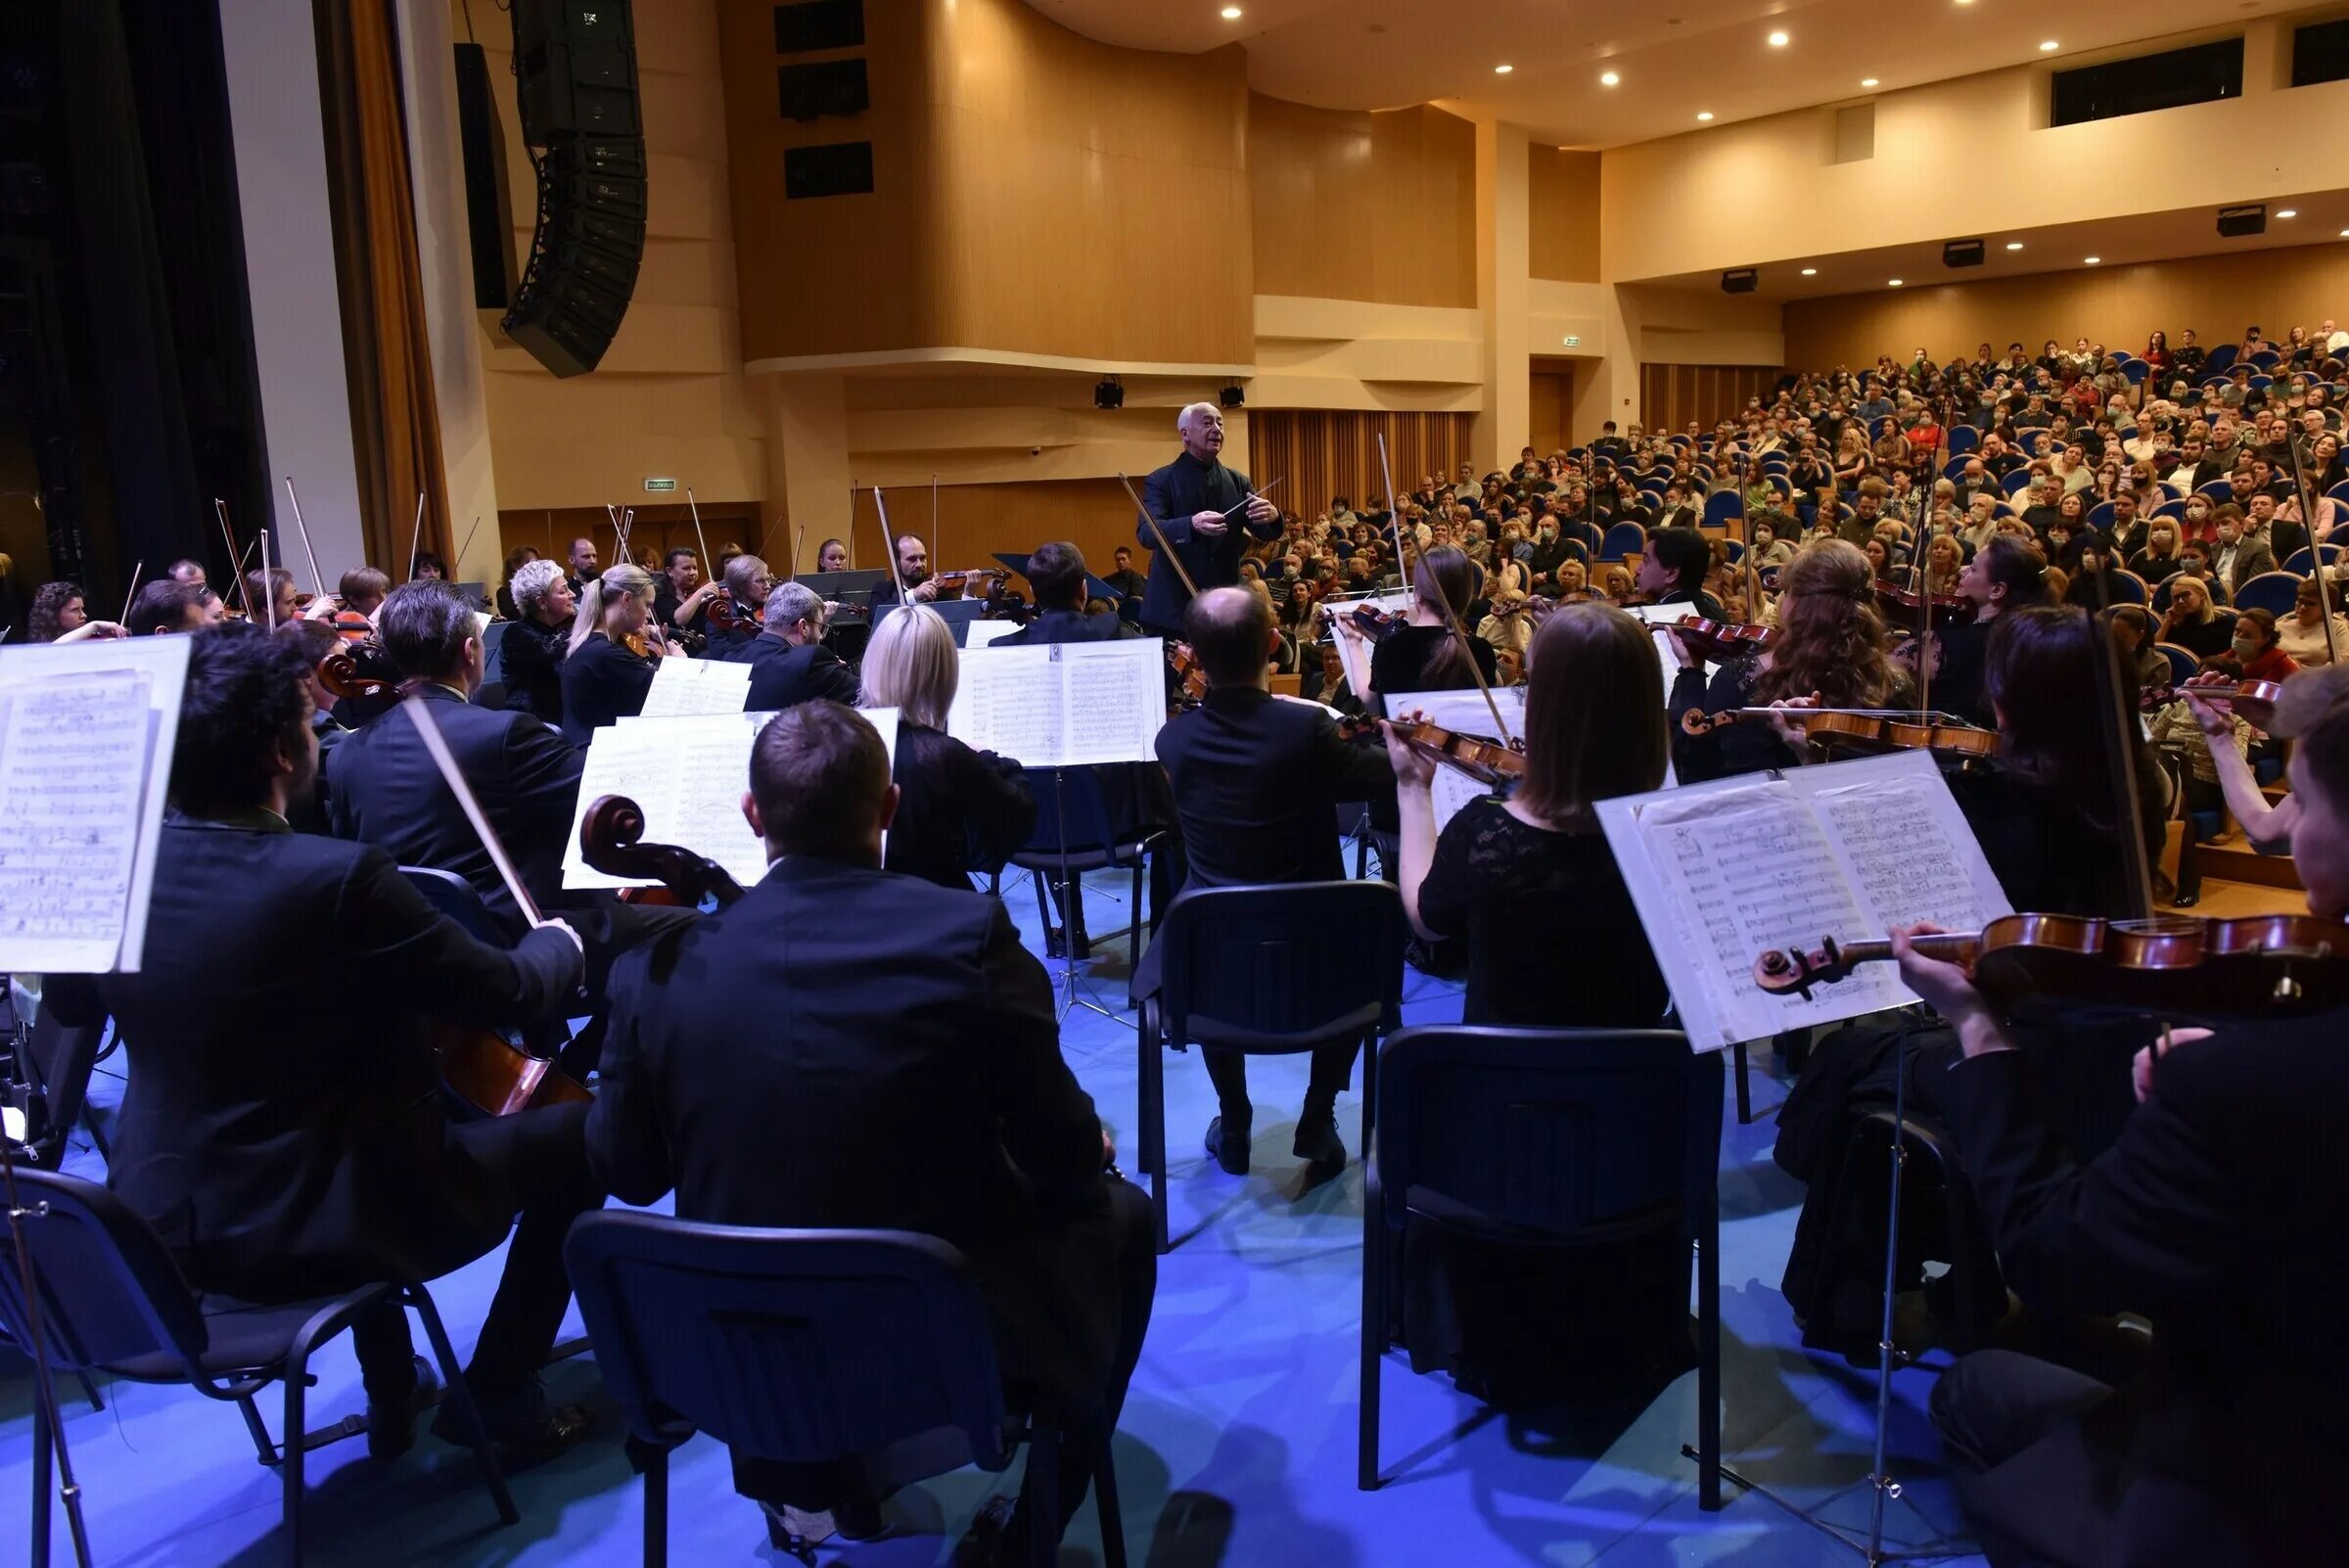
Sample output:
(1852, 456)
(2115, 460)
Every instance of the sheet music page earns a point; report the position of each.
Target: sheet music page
(688, 687)
(980, 633)
(71, 767)
(687, 775)
(1905, 844)
(1114, 697)
(1009, 702)
(136, 738)
(1463, 712)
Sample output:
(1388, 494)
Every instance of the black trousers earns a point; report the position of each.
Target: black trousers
(541, 1155)
(1333, 1070)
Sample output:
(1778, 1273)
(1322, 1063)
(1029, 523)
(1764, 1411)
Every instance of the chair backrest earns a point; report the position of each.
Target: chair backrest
(1574, 1132)
(795, 1346)
(2303, 562)
(109, 1290)
(1623, 538)
(2130, 588)
(2016, 481)
(2183, 661)
(2219, 491)
(1721, 506)
(1269, 959)
(453, 895)
(2339, 492)
(2161, 593)
(493, 644)
(1965, 438)
(2276, 592)
(2218, 359)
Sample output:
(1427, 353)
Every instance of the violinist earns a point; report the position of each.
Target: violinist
(519, 556)
(60, 614)
(1672, 572)
(1056, 572)
(273, 595)
(958, 810)
(789, 662)
(538, 641)
(2221, 1451)
(362, 589)
(748, 582)
(427, 568)
(167, 605)
(614, 644)
(1422, 654)
(1830, 644)
(912, 570)
(2004, 575)
(309, 1154)
(832, 556)
(188, 571)
(680, 599)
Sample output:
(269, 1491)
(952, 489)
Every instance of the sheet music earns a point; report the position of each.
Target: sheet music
(1723, 872)
(687, 687)
(87, 732)
(1463, 713)
(1063, 705)
(980, 633)
(1008, 702)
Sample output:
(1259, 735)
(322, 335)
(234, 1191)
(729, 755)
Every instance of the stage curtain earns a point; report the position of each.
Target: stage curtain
(1320, 453)
(396, 426)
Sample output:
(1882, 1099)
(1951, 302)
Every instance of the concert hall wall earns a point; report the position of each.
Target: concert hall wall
(1562, 214)
(1373, 206)
(1318, 454)
(2218, 296)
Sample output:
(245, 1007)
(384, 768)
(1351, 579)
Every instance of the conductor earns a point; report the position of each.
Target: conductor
(1196, 499)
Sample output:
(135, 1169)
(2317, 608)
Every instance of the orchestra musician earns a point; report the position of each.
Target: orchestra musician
(789, 662)
(748, 582)
(1056, 575)
(288, 1144)
(958, 810)
(1255, 780)
(538, 641)
(913, 571)
(1195, 500)
(613, 649)
(1673, 571)
(908, 1076)
(1422, 654)
(680, 598)
(167, 605)
(361, 592)
(2219, 1451)
(832, 556)
(582, 561)
(273, 595)
(2004, 575)
(188, 571)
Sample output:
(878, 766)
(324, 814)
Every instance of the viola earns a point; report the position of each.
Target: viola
(2177, 968)
(1716, 641)
(1488, 762)
(612, 841)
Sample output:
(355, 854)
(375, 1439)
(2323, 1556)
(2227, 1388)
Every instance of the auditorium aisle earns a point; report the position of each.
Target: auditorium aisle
(1238, 1441)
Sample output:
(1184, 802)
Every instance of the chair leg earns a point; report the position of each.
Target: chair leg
(289, 1456)
(1133, 929)
(263, 1448)
(1745, 1093)
(1043, 1492)
(1366, 1474)
(1105, 1506)
(1044, 910)
(460, 1394)
(656, 1510)
(1708, 1354)
(91, 1390)
(40, 1487)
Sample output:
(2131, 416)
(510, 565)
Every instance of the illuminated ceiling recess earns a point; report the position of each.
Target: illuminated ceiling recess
(1387, 54)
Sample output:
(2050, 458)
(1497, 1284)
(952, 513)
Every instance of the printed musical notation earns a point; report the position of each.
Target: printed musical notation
(1064, 705)
(685, 688)
(72, 765)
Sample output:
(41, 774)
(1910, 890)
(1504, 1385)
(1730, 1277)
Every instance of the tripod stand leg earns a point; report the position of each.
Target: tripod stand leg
(1880, 1483)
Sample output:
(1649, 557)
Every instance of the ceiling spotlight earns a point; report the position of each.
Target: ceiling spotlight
(2092, 260)
(1867, 81)
(1704, 114)
(1231, 13)
(1777, 40)
(2014, 244)
(1608, 78)
(1502, 70)
(2047, 48)
(2345, 234)
(1892, 282)
(2287, 213)
(1810, 272)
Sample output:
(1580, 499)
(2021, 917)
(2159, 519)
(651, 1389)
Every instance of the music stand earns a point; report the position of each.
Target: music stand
(958, 614)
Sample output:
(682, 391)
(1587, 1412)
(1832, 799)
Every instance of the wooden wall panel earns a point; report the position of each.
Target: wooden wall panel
(1352, 205)
(1561, 214)
(1317, 455)
(1671, 396)
(2217, 295)
(1550, 410)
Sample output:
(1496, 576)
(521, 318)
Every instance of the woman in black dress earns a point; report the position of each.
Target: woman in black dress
(604, 677)
(1422, 654)
(958, 810)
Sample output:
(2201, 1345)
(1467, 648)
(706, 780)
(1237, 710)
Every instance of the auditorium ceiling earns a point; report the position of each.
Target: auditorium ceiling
(1673, 59)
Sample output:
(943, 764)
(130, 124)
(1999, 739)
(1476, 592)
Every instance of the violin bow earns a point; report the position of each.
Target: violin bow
(1164, 548)
(317, 580)
(416, 540)
(889, 545)
(235, 561)
(1451, 617)
(427, 729)
(131, 597)
(455, 563)
(2316, 546)
(698, 539)
(268, 587)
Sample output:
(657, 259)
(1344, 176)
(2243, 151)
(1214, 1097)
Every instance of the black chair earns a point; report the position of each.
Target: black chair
(1563, 1135)
(112, 1300)
(802, 1347)
(1268, 969)
(1076, 832)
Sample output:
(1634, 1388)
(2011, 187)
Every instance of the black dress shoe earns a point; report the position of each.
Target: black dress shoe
(392, 1420)
(1317, 1143)
(996, 1536)
(2186, 900)
(1229, 1145)
(525, 1427)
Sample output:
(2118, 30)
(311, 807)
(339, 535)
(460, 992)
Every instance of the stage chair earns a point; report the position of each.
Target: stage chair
(804, 1347)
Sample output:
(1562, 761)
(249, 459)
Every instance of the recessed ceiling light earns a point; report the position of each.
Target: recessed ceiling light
(2014, 244)
(2345, 234)
(1777, 40)
(1231, 13)
(1608, 78)
(1502, 70)
(1892, 282)
(2092, 260)
(2287, 212)
(1867, 81)
(2047, 48)
(1704, 114)
(1810, 272)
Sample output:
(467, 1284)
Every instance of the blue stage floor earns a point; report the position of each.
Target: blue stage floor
(1237, 1445)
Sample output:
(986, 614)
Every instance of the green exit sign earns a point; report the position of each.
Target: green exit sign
(1573, 342)
(659, 486)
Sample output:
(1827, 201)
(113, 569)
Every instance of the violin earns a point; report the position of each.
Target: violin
(1863, 731)
(1187, 670)
(610, 840)
(2252, 701)
(1488, 762)
(960, 581)
(2178, 968)
(1716, 641)
(1367, 618)
(1907, 606)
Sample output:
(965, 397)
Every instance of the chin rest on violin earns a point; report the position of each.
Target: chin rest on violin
(2174, 968)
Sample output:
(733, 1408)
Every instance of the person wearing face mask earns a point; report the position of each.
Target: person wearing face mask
(1549, 550)
(2240, 554)
(2256, 649)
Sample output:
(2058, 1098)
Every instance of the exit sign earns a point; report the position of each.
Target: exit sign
(659, 486)
(1573, 342)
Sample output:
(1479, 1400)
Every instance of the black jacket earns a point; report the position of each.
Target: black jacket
(1067, 625)
(1254, 778)
(282, 1124)
(387, 793)
(959, 811)
(530, 664)
(1172, 495)
(784, 676)
(602, 683)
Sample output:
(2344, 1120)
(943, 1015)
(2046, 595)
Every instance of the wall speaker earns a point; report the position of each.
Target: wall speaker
(575, 69)
(1962, 253)
(2237, 221)
(1741, 281)
(1109, 392)
(481, 141)
(836, 168)
(1232, 397)
(825, 88)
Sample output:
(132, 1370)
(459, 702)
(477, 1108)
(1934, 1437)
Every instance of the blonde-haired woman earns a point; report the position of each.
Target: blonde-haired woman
(958, 810)
(605, 675)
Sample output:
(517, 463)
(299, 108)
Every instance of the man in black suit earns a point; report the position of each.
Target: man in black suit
(283, 1126)
(896, 1016)
(1255, 779)
(1194, 501)
(1056, 574)
(1124, 578)
(2204, 1215)
(789, 662)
